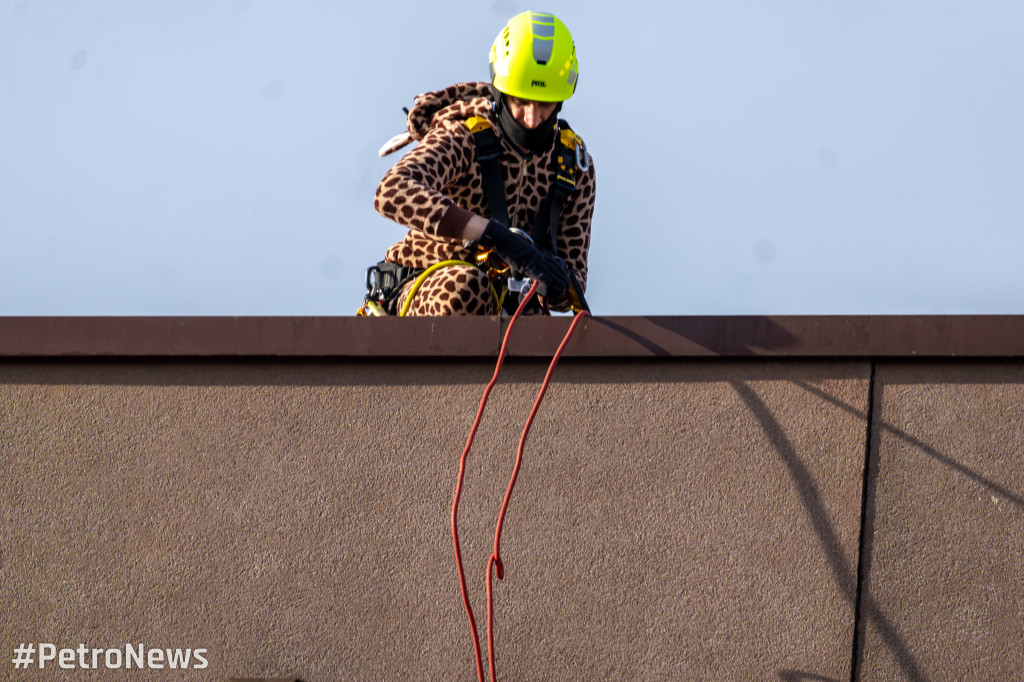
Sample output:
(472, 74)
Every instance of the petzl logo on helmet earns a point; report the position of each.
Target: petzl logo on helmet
(538, 84)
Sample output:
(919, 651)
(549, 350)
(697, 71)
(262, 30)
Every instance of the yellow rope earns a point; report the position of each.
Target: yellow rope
(429, 271)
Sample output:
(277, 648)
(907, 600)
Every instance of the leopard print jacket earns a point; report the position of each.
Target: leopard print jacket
(435, 188)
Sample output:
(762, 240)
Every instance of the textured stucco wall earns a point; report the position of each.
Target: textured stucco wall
(944, 565)
(673, 519)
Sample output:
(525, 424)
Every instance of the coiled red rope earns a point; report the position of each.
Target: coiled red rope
(495, 559)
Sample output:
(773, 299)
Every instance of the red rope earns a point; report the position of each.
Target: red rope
(462, 474)
(495, 558)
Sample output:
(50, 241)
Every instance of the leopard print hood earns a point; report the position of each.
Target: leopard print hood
(459, 101)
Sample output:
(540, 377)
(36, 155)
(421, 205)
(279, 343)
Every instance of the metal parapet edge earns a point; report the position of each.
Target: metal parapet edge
(839, 336)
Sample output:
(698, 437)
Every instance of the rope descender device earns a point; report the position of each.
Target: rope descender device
(494, 562)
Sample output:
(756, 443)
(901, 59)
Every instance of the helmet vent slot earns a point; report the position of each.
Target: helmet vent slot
(542, 26)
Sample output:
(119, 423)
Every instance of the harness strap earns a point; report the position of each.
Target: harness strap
(488, 153)
(570, 147)
(570, 158)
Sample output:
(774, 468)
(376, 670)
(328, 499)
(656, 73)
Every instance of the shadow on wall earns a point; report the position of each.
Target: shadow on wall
(868, 607)
(991, 485)
(715, 334)
(845, 575)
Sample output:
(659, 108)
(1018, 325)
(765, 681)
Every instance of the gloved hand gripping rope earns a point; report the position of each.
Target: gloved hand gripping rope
(495, 559)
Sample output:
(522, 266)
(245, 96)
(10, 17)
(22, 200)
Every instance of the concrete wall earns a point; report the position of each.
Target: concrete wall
(722, 514)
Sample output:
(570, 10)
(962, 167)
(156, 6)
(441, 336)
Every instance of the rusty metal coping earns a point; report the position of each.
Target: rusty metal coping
(629, 337)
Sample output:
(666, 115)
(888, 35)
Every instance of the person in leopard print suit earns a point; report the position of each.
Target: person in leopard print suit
(436, 190)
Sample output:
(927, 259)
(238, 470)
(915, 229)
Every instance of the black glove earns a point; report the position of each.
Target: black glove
(522, 256)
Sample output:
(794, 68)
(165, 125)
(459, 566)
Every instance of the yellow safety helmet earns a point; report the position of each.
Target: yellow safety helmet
(534, 57)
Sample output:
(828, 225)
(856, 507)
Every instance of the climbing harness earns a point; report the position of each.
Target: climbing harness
(570, 160)
(386, 281)
(494, 562)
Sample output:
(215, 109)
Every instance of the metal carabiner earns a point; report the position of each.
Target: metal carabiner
(582, 158)
(371, 284)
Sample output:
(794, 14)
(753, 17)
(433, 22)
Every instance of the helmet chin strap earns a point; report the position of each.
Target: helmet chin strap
(536, 140)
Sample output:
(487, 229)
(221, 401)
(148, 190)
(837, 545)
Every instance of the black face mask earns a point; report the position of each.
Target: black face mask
(536, 140)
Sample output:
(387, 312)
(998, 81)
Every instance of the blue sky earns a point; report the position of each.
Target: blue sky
(218, 157)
